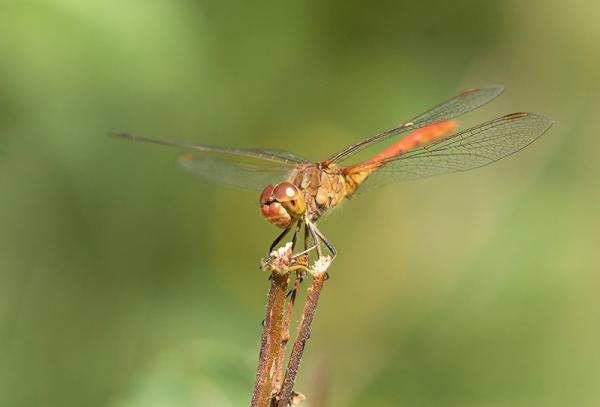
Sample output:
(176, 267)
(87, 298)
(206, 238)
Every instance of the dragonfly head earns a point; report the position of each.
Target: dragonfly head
(282, 204)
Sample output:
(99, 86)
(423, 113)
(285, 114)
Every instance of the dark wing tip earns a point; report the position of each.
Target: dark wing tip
(494, 90)
(545, 121)
(515, 115)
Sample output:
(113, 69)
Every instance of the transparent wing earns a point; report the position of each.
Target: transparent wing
(278, 156)
(462, 151)
(251, 169)
(244, 175)
(462, 103)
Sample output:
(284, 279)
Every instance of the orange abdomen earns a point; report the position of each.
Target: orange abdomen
(357, 174)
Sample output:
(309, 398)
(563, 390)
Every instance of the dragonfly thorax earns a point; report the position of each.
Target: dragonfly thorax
(323, 186)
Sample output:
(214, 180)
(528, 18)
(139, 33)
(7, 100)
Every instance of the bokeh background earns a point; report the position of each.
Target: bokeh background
(124, 282)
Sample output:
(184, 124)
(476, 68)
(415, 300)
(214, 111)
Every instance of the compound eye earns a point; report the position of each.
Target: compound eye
(267, 194)
(286, 192)
(291, 199)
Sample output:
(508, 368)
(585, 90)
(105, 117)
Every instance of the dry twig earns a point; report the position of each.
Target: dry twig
(319, 271)
(270, 389)
(272, 330)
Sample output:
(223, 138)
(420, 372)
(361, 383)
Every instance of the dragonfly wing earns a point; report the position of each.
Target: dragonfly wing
(244, 175)
(280, 156)
(460, 104)
(251, 169)
(462, 151)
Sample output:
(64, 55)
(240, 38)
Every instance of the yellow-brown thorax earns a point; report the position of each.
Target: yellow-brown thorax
(324, 187)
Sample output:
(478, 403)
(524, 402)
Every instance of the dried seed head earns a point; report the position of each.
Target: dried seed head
(321, 265)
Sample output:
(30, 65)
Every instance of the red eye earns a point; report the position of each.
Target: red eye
(266, 194)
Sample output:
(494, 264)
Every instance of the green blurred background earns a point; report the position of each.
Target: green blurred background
(127, 283)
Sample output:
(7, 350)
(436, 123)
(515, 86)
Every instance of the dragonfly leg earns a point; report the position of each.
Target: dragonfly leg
(295, 238)
(318, 237)
(314, 236)
(305, 237)
(278, 239)
(306, 248)
(300, 275)
(326, 242)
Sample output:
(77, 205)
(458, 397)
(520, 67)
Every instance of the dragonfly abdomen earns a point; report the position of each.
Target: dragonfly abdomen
(356, 175)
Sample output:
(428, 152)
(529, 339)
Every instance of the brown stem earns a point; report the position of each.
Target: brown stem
(271, 339)
(303, 335)
(285, 337)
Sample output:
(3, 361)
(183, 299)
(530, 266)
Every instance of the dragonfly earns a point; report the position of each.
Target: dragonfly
(296, 192)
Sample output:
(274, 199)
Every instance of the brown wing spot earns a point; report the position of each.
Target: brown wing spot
(186, 157)
(516, 115)
(466, 92)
